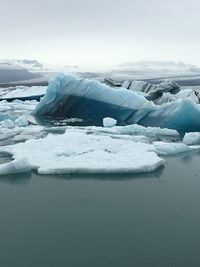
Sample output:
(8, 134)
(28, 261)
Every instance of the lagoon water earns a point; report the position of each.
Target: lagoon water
(99, 221)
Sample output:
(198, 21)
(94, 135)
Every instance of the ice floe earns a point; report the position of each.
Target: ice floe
(20, 92)
(76, 151)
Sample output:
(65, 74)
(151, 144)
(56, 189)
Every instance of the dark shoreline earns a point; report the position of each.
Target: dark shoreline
(5, 85)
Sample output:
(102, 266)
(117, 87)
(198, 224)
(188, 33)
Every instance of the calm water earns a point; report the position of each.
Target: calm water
(136, 220)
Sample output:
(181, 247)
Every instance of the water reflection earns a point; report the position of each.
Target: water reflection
(16, 179)
(22, 179)
(172, 161)
(109, 177)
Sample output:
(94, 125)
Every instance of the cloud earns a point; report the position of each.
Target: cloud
(80, 29)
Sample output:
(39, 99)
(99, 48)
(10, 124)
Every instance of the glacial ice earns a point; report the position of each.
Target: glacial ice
(76, 151)
(71, 96)
(152, 90)
(16, 166)
(21, 121)
(22, 92)
(7, 123)
(187, 93)
(163, 148)
(136, 130)
(12, 121)
(109, 122)
(192, 138)
(90, 149)
(164, 92)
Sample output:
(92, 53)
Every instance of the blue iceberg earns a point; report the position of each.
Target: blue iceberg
(69, 96)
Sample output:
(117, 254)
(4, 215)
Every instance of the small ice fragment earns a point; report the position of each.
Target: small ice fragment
(109, 122)
(16, 166)
(7, 124)
(163, 148)
(192, 138)
(21, 121)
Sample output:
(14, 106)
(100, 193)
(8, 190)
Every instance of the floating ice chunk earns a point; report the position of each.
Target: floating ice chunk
(16, 166)
(138, 86)
(8, 124)
(27, 136)
(21, 121)
(163, 148)
(75, 151)
(135, 138)
(181, 115)
(153, 91)
(109, 122)
(91, 101)
(126, 84)
(4, 108)
(148, 131)
(190, 94)
(22, 92)
(136, 129)
(71, 96)
(9, 134)
(192, 138)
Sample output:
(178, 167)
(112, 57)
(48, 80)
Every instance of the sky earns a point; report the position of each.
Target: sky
(104, 32)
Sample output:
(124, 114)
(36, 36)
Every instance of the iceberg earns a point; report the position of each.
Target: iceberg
(70, 96)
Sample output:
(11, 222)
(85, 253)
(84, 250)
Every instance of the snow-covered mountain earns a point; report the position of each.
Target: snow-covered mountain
(10, 72)
(154, 69)
(30, 65)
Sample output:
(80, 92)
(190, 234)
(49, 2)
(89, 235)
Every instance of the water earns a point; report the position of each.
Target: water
(126, 220)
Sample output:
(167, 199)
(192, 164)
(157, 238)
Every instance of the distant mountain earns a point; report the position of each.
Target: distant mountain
(10, 72)
(154, 69)
(30, 65)
(161, 65)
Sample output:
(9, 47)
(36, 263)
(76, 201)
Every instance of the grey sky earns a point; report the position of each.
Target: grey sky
(100, 32)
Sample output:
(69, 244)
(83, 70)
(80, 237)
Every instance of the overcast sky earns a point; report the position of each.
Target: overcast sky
(103, 32)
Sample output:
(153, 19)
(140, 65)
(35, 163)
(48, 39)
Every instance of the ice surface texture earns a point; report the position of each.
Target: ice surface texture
(76, 151)
(192, 139)
(109, 122)
(16, 166)
(71, 96)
